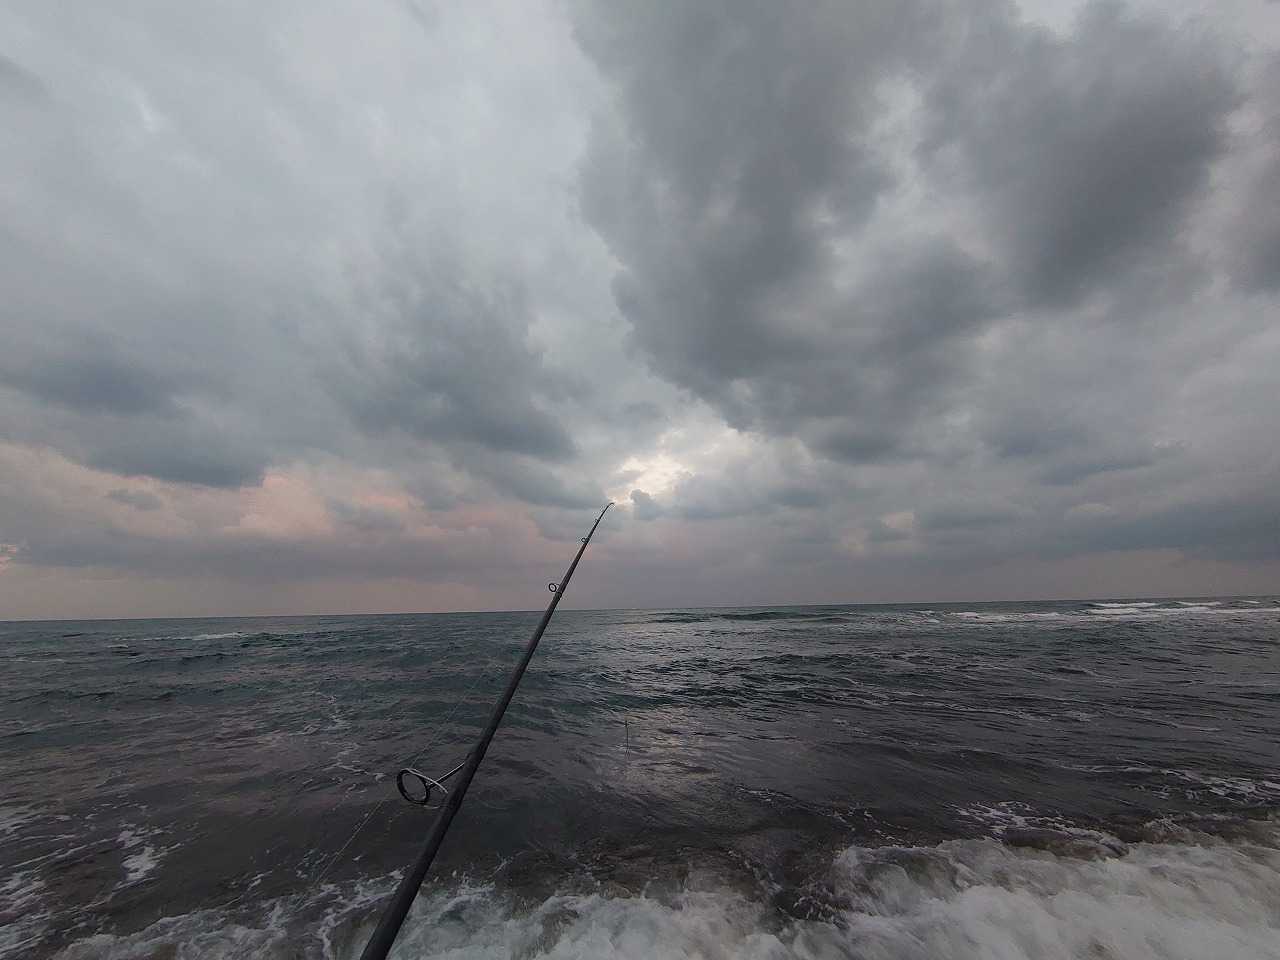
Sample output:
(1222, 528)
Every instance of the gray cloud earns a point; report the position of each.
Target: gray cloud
(1259, 260)
(1083, 155)
(645, 506)
(452, 366)
(181, 452)
(92, 381)
(370, 556)
(1245, 529)
(1087, 153)
(966, 516)
(532, 482)
(138, 499)
(1070, 471)
(20, 84)
(731, 166)
(1254, 241)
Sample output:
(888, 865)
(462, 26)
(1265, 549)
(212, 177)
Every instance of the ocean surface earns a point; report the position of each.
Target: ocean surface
(1032, 780)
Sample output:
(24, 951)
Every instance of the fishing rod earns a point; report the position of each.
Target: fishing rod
(393, 917)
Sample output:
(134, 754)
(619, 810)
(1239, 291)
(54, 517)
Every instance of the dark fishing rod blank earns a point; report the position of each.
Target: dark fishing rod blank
(384, 935)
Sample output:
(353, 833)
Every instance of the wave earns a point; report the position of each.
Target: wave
(768, 615)
(1127, 604)
(1018, 617)
(121, 697)
(1110, 612)
(1253, 790)
(25, 911)
(1044, 893)
(1156, 612)
(184, 637)
(1192, 785)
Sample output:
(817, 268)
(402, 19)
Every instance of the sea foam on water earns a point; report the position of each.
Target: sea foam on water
(978, 899)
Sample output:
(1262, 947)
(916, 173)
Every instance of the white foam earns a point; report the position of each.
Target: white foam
(1151, 611)
(1236, 788)
(143, 854)
(962, 900)
(1137, 611)
(972, 899)
(1111, 767)
(1247, 789)
(23, 911)
(1023, 616)
(1108, 612)
(204, 935)
(1128, 604)
(138, 865)
(11, 818)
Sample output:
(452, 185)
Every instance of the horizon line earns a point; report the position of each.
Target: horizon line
(715, 606)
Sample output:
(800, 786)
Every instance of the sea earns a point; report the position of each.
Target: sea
(909, 782)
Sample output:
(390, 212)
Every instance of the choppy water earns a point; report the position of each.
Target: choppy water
(1006, 780)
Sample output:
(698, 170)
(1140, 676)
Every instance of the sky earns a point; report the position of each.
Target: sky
(350, 307)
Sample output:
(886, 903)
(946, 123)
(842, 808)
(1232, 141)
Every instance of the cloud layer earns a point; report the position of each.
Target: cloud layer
(366, 308)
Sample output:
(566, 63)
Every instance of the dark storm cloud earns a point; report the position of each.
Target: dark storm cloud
(907, 343)
(1086, 153)
(645, 506)
(799, 497)
(1254, 242)
(181, 452)
(1258, 265)
(534, 483)
(1073, 471)
(740, 161)
(138, 499)
(997, 296)
(452, 365)
(91, 379)
(965, 517)
(20, 84)
(736, 140)
(1242, 529)
(125, 412)
(750, 486)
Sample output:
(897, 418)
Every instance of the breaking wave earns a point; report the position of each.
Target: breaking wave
(1180, 894)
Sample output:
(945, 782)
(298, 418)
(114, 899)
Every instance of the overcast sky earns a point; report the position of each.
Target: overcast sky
(358, 307)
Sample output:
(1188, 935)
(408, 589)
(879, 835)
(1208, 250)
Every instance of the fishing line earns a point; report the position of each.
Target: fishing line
(626, 728)
(384, 935)
(441, 727)
(325, 864)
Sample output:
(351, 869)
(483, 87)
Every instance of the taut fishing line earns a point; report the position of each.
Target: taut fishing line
(393, 917)
(441, 727)
(318, 872)
(397, 909)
